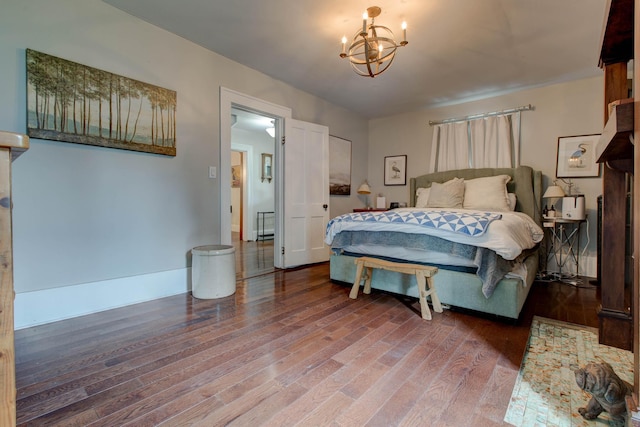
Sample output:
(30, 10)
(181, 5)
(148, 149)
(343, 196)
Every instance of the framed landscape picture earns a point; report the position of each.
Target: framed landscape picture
(339, 166)
(71, 102)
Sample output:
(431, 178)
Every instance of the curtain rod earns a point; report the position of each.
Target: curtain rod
(481, 115)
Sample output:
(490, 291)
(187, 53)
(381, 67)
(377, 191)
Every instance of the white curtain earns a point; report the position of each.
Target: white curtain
(450, 147)
(489, 142)
(515, 135)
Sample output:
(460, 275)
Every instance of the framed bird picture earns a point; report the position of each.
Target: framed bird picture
(577, 156)
(395, 170)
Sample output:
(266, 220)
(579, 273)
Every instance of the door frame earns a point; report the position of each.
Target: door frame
(232, 99)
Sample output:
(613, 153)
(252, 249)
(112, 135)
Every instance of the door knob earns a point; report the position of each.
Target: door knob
(325, 206)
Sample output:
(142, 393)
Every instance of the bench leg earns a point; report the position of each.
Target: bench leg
(367, 281)
(356, 283)
(422, 295)
(437, 307)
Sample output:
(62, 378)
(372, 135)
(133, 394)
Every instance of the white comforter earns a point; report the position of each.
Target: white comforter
(508, 236)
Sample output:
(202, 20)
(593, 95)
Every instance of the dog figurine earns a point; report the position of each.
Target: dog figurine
(607, 389)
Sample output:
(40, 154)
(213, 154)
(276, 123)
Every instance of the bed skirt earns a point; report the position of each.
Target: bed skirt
(454, 288)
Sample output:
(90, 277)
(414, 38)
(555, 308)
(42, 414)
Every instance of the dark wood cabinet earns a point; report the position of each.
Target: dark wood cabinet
(615, 150)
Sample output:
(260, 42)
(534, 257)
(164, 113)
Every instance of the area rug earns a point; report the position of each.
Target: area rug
(546, 393)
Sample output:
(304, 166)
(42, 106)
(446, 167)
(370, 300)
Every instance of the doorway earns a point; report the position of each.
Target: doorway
(230, 100)
(238, 183)
(305, 209)
(252, 195)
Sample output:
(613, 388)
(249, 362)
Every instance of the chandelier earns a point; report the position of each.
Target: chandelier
(373, 47)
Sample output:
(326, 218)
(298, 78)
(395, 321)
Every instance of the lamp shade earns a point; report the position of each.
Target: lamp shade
(553, 192)
(364, 188)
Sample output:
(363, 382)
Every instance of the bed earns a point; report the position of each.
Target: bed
(469, 237)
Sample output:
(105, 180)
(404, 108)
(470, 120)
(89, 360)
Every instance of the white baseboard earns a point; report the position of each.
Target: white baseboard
(50, 305)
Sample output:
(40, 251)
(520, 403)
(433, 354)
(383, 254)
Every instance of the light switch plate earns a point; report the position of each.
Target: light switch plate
(212, 171)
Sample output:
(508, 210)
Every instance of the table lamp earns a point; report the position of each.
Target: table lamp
(554, 193)
(365, 190)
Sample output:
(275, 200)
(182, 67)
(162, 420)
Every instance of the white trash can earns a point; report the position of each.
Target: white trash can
(213, 271)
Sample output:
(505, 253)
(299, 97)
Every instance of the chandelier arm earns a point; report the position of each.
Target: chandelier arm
(367, 53)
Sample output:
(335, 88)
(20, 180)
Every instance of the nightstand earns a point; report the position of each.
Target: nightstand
(370, 210)
(563, 245)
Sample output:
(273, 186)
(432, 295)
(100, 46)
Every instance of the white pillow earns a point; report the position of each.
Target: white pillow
(512, 201)
(422, 197)
(488, 193)
(447, 195)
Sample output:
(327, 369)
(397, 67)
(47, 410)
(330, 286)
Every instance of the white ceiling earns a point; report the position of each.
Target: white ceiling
(250, 121)
(459, 50)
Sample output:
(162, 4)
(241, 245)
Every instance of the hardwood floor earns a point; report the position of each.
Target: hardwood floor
(252, 258)
(289, 348)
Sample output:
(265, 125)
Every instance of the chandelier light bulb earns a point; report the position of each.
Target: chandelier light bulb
(404, 33)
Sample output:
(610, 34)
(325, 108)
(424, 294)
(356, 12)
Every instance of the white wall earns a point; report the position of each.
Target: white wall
(573, 108)
(85, 215)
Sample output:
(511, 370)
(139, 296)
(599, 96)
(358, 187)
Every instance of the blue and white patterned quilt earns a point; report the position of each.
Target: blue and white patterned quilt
(506, 233)
(467, 223)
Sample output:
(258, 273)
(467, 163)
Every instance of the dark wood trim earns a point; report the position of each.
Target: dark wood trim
(617, 34)
(616, 329)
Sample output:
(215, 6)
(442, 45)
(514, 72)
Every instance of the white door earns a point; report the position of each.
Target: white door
(306, 192)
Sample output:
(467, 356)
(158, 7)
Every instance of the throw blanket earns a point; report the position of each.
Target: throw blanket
(468, 223)
(491, 267)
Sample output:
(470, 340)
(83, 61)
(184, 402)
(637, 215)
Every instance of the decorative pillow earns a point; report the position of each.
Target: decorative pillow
(512, 201)
(488, 193)
(422, 197)
(447, 195)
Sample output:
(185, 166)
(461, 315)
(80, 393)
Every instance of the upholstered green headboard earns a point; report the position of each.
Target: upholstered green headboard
(525, 183)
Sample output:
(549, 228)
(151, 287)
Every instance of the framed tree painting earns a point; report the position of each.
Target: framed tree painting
(71, 102)
(395, 170)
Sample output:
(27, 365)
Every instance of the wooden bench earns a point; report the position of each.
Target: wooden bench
(423, 274)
